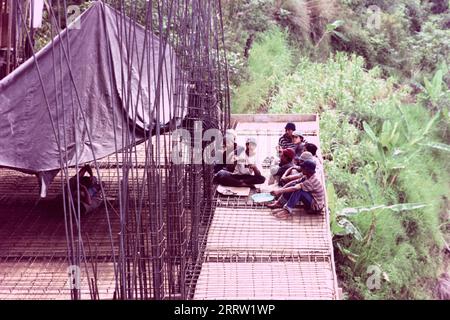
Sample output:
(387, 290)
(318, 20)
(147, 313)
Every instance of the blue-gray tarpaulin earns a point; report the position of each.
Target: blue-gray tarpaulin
(115, 69)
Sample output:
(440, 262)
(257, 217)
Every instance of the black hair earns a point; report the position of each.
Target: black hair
(85, 181)
(311, 147)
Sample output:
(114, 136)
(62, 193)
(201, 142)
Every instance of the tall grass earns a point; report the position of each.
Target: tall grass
(269, 61)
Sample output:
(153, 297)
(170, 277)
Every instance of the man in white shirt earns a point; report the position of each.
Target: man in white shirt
(246, 173)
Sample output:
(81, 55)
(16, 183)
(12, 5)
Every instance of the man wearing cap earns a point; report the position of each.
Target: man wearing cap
(286, 140)
(309, 191)
(299, 142)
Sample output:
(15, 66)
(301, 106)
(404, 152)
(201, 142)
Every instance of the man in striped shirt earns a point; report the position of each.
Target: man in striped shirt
(309, 191)
(286, 140)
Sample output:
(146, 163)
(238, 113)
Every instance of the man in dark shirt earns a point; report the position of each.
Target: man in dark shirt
(286, 159)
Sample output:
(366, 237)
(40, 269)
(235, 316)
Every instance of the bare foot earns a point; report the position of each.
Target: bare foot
(274, 205)
(283, 215)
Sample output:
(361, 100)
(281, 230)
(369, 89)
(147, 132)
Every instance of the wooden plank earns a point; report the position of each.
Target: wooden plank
(1, 24)
(260, 118)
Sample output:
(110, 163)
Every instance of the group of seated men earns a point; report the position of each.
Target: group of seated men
(293, 174)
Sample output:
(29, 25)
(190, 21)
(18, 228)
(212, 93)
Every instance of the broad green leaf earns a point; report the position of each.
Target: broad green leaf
(428, 127)
(350, 228)
(405, 206)
(431, 124)
(345, 251)
(396, 207)
(428, 85)
(333, 26)
(370, 132)
(341, 36)
(354, 211)
(437, 145)
(437, 81)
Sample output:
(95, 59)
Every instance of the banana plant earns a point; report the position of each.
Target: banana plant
(434, 89)
(331, 29)
(420, 136)
(417, 138)
(348, 228)
(389, 156)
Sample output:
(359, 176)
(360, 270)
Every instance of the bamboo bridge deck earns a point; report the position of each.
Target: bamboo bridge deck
(250, 254)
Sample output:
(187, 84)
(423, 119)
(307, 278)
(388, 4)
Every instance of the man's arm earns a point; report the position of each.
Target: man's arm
(286, 173)
(255, 169)
(291, 183)
(286, 178)
(287, 190)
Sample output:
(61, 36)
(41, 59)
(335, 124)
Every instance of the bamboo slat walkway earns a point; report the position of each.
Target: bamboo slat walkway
(250, 254)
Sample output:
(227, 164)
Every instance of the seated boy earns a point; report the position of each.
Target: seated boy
(299, 142)
(277, 171)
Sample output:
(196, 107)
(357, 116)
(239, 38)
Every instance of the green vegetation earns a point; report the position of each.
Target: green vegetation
(384, 130)
(270, 61)
(47, 31)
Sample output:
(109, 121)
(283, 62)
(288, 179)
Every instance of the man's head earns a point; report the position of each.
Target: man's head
(287, 156)
(86, 181)
(250, 144)
(297, 137)
(311, 147)
(304, 157)
(308, 168)
(289, 128)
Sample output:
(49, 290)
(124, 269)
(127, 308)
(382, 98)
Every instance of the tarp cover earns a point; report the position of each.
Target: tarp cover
(32, 134)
